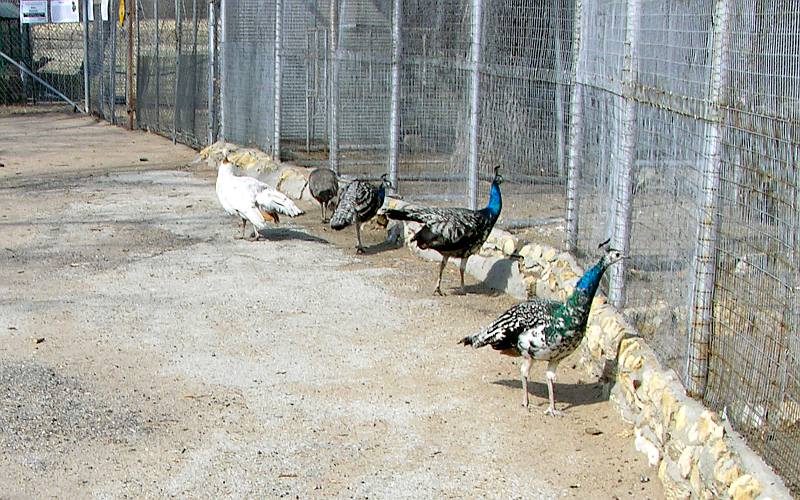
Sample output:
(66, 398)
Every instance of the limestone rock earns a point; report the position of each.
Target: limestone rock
(726, 469)
(292, 183)
(549, 255)
(686, 460)
(509, 246)
(674, 485)
(707, 427)
(746, 487)
(644, 443)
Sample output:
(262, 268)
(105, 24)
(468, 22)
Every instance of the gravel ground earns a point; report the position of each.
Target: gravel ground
(146, 352)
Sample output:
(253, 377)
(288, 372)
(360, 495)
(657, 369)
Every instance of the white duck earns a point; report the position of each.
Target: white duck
(251, 200)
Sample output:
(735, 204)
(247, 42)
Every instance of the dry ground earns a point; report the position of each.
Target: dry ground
(145, 352)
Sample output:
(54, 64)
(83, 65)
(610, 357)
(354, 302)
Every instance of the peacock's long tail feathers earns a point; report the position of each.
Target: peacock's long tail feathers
(396, 214)
(342, 217)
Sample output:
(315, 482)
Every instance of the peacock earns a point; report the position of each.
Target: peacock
(546, 330)
(454, 232)
(324, 186)
(251, 200)
(358, 203)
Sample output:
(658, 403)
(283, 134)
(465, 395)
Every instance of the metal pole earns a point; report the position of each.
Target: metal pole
(620, 238)
(158, 68)
(87, 4)
(178, 46)
(276, 141)
(700, 319)
(474, 104)
(308, 92)
(137, 107)
(212, 49)
(394, 113)
(223, 34)
(112, 67)
(333, 106)
(130, 94)
(193, 70)
(101, 81)
(575, 130)
(555, 34)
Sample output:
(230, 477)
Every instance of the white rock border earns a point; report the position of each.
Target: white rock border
(697, 454)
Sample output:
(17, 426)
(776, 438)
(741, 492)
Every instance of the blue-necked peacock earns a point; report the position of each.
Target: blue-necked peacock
(454, 232)
(545, 330)
(359, 202)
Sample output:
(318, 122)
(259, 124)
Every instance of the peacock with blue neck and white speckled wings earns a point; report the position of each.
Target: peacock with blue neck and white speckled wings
(545, 330)
(452, 231)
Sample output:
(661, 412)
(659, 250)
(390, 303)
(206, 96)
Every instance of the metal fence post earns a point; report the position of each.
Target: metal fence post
(87, 4)
(276, 141)
(394, 114)
(223, 35)
(212, 75)
(158, 67)
(130, 95)
(112, 66)
(621, 237)
(194, 72)
(700, 319)
(333, 94)
(178, 47)
(575, 130)
(555, 34)
(474, 104)
(137, 107)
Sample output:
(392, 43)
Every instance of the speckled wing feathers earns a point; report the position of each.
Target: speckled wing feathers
(506, 330)
(457, 230)
(358, 197)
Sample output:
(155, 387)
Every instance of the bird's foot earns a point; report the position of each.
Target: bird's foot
(553, 412)
(359, 250)
(438, 292)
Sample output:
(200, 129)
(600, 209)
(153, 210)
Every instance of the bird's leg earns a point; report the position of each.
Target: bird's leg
(438, 290)
(244, 226)
(524, 370)
(360, 247)
(322, 208)
(461, 269)
(550, 374)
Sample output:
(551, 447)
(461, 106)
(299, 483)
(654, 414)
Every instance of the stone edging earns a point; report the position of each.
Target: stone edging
(697, 454)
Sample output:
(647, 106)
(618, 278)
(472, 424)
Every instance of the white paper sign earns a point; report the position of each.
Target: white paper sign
(64, 11)
(33, 11)
(104, 10)
(91, 10)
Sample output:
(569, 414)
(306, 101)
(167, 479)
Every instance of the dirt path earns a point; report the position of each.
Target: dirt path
(145, 352)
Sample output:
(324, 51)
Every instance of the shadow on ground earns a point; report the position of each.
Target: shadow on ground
(572, 394)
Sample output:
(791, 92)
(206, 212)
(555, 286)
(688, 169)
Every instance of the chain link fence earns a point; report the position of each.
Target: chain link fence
(53, 52)
(671, 130)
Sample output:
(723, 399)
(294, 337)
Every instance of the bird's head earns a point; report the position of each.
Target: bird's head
(498, 179)
(386, 182)
(612, 255)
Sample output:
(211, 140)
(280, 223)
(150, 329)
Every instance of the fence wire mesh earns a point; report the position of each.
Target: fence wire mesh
(675, 130)
(13, 44)
(53, 52)
(247, 72)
